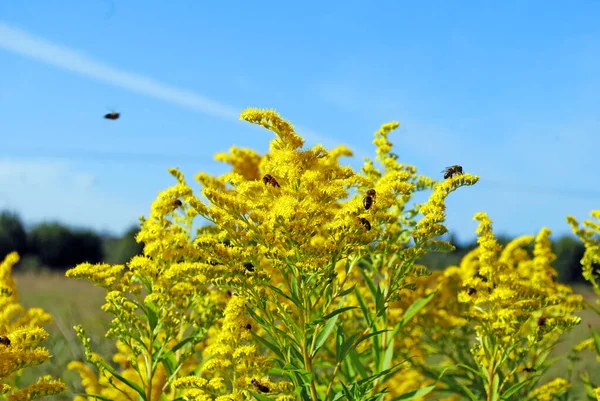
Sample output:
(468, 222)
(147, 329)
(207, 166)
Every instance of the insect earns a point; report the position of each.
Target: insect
(369, 198)
(528, 370)
(259, 386)
(4, 340)
(249, 266)
(113, 115)
(365, 223)
(177, 203)
(450, 171)
(471, 291)
(248, 326)
(541, 321)
(269, 179)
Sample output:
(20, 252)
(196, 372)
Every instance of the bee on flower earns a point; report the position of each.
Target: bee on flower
(451, 171)
(369, 199)
(260, 386)
(269, 179)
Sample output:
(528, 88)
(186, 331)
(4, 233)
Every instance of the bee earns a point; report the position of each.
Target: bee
(365, 223)
(177, 203)
(451, 171)
(248, 326)
(249, 266)
(113, 115)
(269, 179)
(4, 340)
(369, 199)
(259, 386)
(541, 321)
(529, 370)
(471, 291)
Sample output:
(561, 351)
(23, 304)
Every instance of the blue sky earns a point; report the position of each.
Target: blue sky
(510, 90)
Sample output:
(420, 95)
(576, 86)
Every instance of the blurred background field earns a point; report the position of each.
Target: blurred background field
(73, 302)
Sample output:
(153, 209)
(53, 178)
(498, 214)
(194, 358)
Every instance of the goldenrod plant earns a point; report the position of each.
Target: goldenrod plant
(495, 320)
(589, 234)
(285, 293)
(294, 277)
(21, 333)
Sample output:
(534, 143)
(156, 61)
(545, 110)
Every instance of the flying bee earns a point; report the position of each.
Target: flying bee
(369, 199)
(365, 223)
(259, 386)
(541, 321)
(471, 291)
(113, 115)
(4, 340)
(269, 179)
(450, 171)
(249, 266)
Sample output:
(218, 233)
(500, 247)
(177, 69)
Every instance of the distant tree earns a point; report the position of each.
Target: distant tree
(128, 247)
(12, 234)
(57, 246)
(86, 246)
(569, 251)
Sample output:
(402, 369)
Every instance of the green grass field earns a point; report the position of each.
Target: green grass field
(73, 302)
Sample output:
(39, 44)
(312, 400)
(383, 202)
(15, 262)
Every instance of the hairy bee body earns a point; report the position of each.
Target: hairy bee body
(365, 223)
(249, 266)
(4, 340)
(259, 386)
(269, 179)
(113, 115)
(451, 171)
(369, 199)
(471, 291)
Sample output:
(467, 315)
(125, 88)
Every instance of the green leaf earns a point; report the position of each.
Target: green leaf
(324, 334)
(495, 385)
(96, 396)
(468, 392)
(332, 314)
(260, 397)
(129, 383)
(596, 340)
(416, 307)
(169, 361)
(346, 291)
(364, 307)
(389, 355)
(270, 346)
(506, 395)
(357, 364)
(182, 343)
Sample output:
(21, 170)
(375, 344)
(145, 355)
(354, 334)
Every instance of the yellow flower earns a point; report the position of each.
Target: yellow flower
(23, 335)
(550, 390)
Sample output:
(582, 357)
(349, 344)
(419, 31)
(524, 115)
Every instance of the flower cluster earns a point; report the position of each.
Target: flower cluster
(495, 316)
(20, 335)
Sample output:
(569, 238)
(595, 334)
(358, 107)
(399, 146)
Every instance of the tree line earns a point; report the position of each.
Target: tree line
(56, 246)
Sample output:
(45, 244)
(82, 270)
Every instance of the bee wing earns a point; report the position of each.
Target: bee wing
(446, 169)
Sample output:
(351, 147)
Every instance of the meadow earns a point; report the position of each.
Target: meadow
(73, 302)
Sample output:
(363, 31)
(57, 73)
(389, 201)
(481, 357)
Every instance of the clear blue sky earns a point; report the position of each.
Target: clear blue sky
(508, 89)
